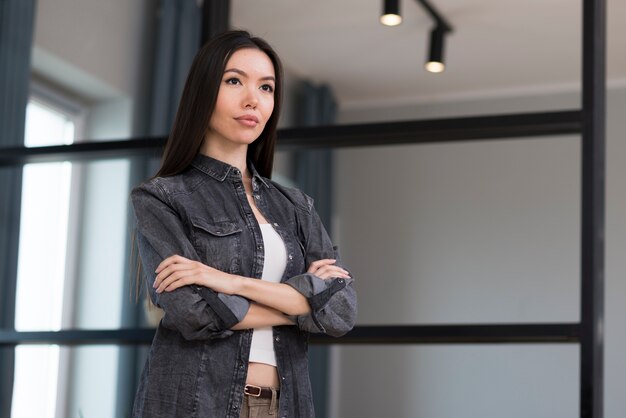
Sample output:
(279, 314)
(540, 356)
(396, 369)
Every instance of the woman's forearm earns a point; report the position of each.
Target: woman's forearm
(259, 316)
(177, 271)
(279, 296)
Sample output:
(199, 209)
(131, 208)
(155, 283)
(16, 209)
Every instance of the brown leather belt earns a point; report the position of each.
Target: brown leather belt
(259, 392)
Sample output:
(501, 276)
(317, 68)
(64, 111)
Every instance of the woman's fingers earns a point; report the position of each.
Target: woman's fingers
(177, 279)
(326, 269)
(167, 271)
(315, 265)
(173, 264)
(174, 259)
(328, 272)
(177, 271)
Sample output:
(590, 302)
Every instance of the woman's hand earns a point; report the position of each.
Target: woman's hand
(325, 269)
(177, 271)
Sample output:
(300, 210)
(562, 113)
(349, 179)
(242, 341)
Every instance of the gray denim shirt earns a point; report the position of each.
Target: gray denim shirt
(197, 365)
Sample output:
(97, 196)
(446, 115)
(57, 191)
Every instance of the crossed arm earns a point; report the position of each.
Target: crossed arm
(272, 303)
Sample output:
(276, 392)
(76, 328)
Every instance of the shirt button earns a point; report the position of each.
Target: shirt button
(277, 339)
(275, 224)
(260, 247)
(257, 197)
(290, 256)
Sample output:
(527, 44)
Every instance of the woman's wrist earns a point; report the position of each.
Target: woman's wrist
(238, 284)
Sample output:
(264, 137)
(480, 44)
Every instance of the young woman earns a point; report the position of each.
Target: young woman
(241, 266)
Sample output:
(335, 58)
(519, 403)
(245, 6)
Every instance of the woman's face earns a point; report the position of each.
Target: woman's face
(245, 100)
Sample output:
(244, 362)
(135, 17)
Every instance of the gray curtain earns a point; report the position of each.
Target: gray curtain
(215, 18)
(178, 40)
(180, 28)
(316, 105)
(16, 34)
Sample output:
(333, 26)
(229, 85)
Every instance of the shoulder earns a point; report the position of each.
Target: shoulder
(148, 196)
(149, 187)
(159, 187)
(300, 199)
(167, 187)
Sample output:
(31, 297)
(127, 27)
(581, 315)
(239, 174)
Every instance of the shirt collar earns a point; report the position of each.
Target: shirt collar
(220, 170)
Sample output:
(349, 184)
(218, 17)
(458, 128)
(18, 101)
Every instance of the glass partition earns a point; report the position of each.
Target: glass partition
(481, 232)
(442, 233)
(90, 381)
(516, 381)
(513, 381)
(74, 243)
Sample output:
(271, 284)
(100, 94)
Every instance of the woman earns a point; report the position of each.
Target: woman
(209, 226)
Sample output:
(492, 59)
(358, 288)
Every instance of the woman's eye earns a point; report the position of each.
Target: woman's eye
(268, 88)
(233, 81)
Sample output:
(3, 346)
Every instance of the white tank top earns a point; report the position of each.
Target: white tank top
(262, 349)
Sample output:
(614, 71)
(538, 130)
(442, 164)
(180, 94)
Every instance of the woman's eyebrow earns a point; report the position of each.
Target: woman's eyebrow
(243, 73)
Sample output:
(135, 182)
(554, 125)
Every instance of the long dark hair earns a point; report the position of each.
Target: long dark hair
(198, 102)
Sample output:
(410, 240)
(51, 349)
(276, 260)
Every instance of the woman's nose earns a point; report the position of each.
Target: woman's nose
(250, 99)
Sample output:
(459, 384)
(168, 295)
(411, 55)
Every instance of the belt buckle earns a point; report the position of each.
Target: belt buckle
(246, 390)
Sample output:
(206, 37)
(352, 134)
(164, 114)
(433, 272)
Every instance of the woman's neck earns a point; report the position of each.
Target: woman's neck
(235, 156)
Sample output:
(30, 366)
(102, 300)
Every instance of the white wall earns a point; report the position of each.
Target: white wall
(475, 232)
(100, 39)
(98, 52)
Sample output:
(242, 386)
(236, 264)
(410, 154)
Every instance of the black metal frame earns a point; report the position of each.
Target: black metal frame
(593, 209)
(589, 122)
(440, 21)
(373, 334)
(498, 127)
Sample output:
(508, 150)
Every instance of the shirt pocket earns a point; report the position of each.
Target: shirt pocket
(218, 243)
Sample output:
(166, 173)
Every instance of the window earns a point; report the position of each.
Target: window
(42, 260)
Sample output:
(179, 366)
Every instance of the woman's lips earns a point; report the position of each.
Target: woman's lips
(248, 120)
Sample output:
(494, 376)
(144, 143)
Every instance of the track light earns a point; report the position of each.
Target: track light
(391, 13)
(435, 57)
(391, 17)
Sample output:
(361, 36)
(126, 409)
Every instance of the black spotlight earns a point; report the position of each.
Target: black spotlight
(391, 13)
(435, 57)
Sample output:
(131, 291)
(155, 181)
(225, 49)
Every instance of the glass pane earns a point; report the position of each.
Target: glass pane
(43, 244)
(46, 126)
(36, 377)
(90, 381)
(487, 381)
(283, 172)
(462, 233)
(43, 223)
(102, 243)
(75, 225)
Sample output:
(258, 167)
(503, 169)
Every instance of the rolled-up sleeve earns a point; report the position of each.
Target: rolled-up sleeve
(196, 312)
(332, 301)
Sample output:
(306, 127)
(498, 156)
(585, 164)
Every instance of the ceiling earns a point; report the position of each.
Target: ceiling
(498, 47)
